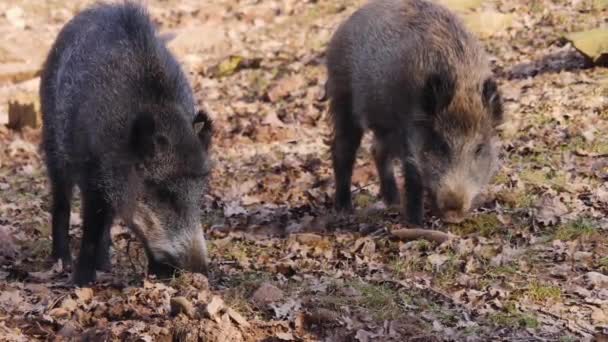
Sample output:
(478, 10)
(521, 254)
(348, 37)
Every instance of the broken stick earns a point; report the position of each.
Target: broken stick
(409, 234)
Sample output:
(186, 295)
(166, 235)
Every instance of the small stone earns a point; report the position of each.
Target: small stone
(69, 330)
(599, 316)
(583, 256)
(266, 294)
(596, 279)
(215, 306)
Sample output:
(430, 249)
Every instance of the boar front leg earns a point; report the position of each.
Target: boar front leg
(98, 214)
(414, 194)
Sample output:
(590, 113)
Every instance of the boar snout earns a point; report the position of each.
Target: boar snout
(453, 205)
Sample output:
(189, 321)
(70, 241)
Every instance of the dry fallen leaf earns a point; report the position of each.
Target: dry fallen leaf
(181, 305)
(592, 43)
(550, 210)
(215, 306)
(84, 294)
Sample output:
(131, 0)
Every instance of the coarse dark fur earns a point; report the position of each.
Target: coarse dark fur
(410, 72)
(119, 121)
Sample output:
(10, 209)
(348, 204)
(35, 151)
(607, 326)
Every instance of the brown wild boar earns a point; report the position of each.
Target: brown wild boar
(410, 72)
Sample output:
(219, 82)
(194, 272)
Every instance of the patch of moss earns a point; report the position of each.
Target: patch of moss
(501, 178)
(556, 180)
(501, 319)
(578, 228)
(403, 266)
(511, 317)
(364, 199)
(38, 248)
(598, 145)
(383, 302)
(493, 273)
(516, 198)
(486, 225)
(603, 265)
(542, 293)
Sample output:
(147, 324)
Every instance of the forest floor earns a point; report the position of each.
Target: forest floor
(530, 264)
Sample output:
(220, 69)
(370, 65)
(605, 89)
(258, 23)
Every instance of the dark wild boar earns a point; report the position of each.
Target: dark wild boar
(120, 123)
(410, 72)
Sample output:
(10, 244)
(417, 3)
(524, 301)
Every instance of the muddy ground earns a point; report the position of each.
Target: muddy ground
(530, 264)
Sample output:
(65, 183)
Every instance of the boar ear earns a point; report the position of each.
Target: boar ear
(492, 100)
(438, 92)
(203, 126)
(142, 136)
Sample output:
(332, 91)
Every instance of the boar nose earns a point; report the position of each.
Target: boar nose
(453, 208)
(453, 202)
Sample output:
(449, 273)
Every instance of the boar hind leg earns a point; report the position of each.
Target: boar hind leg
(414, 194)
(61, 188)
(346, 141)
(384, 165)
(98, 215)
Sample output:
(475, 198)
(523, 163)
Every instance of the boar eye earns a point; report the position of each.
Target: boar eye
(479, 149)
(438, 144)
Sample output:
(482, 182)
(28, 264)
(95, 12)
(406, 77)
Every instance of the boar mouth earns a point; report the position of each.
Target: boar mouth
(451, 209)
(453, 217)
(164, 269)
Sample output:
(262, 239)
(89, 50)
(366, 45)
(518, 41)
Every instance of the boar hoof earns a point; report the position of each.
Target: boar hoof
(343, 208)
(84, 276)
(66, 262)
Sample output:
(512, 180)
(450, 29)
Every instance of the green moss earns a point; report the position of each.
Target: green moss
(542, 293)
(536, 6)
(598, 145)
(502, 178)
(557, 180)
(39, 248)
(403, 266)
(486, 225)
(578, 228)
(364, 199)
(382, 301)
(511, 317)
(602, 265)
(502, 319)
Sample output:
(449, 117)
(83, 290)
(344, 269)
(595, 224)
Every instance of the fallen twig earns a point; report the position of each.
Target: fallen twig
(409, 234)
